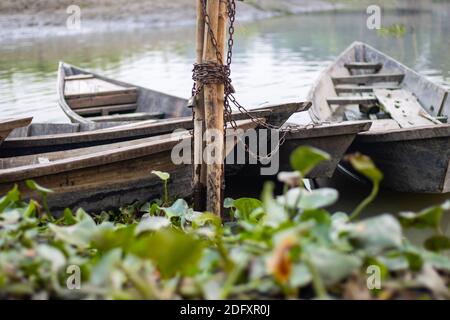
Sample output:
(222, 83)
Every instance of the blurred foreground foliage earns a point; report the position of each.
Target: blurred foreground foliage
(285, 246)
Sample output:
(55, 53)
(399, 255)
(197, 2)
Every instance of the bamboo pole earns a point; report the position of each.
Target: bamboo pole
(221, 38)
(213, 119)
(199, 174)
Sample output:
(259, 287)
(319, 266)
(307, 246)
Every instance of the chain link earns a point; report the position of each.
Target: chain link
(216, 72)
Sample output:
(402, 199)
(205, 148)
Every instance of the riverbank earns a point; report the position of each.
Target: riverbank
(30, 19)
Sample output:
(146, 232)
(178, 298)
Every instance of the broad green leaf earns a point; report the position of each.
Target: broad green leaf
(304, 159)
(245, 207)
(34, 186)
(275, 214)
(228, 203)
(102, 271)
(300, 277)
(438, 243)
(178, 209)
(333, 266)
(203, 218)
(377, 234)
(308, 200)
(366, 167)
(172, 251)
(164, 176)
(320, 216)
(55, 256)
(428, 218)
(79, 234)
(152, 224)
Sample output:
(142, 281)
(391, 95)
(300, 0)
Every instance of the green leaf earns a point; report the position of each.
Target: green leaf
(207, 217)
(12, 197)
(377, 234)
(34, 186)
(366, 167)
(152, 224)
(304, 159)
(164, 176)
(172, 251)
(275, 214)
(438, 243)
(228, 203)
(300, 277)
(428, 218)
(102, 271)
(56, 258)
(245, 207)
(178, 209)
(320, 216)
(69, 219)
(309, 200)
(333, 266)
(79, 234)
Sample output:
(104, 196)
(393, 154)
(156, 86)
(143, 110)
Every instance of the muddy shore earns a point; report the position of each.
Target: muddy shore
(31, 18)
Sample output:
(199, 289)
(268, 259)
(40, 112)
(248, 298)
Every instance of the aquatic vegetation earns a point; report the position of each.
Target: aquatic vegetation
(279, 246)
(395, 30)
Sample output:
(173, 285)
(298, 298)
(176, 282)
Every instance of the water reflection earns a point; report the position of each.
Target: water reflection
(274, 59)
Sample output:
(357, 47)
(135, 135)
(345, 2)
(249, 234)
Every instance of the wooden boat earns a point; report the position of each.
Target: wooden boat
(87, 97)
(48, 137)
(106, 176)
(8, 125)
(407, 140)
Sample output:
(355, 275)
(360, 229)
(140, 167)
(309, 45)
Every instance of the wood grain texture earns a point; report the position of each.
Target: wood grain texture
(403, 108)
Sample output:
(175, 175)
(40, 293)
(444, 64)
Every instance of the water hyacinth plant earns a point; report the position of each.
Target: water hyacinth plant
(279, 246)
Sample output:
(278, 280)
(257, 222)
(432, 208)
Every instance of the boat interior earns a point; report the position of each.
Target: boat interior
(365, 84)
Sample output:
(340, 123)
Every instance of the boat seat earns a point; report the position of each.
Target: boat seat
(352, 100)
(362, 89)
(375, 66)
(107, 110)
(87, 91)
(137, 116)
(367, 79)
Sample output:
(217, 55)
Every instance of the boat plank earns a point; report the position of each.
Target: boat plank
(369, 78)
(352, 100)
(89, 86)
(403, 108)
(106, 110)
(136, 116)
(376, 66)
(363, 89)
(124, 97)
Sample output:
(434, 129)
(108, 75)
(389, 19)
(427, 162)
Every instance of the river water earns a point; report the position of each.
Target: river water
(274, 60)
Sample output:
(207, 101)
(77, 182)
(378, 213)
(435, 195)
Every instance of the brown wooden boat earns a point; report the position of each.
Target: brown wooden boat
(105, 176)
(87, 97)
(407, 140)
(48, 137)
(8, 125)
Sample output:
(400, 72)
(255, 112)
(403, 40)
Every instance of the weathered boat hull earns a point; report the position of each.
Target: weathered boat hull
(416, 162)
(8, 125)
(335, 139)
(413, 157)
(41, 138)
(103, 177)
(147, 101)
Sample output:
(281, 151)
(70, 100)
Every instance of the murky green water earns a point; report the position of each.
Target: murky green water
(274, 60)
